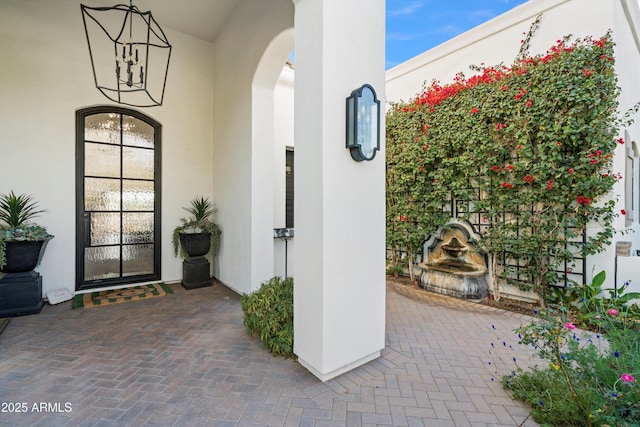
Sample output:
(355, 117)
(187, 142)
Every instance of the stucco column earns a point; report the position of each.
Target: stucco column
(339, 299)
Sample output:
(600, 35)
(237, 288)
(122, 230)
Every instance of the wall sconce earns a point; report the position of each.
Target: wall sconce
(363, 123)
(129, 54)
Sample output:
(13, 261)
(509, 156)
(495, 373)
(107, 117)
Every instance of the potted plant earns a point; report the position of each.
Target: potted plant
(22, 242)
(193, 239)
(197, 233)
(22, 245)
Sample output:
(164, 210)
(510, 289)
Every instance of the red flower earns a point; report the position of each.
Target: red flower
(550, 184)
(500, 126)
(583, 200)
(416, 139)
(528, 178)
(518, 96)
(529, 103)
(403, 218)
(620, 141)
(509, 167)
(594, 161)
(474, 110)
(558, 143)
(426, 147)
(598, 152)
(570, 170)
(507, 185)
(504, 87)
(495, 168)
(623, 212)
(421, 167)
(586, 72)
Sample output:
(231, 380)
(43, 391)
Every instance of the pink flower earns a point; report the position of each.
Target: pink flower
(627, 378)
(613, 312)
(569, 326)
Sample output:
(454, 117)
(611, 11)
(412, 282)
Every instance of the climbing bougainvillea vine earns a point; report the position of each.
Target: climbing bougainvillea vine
(529, 146)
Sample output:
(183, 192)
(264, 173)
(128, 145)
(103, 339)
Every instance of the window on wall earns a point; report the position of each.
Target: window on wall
(289, 187)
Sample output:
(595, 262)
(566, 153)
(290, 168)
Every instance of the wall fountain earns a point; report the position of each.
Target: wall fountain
(455, 265)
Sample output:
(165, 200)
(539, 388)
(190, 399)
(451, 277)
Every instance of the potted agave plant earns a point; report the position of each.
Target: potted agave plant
(195, 237)
(22, 245)
(22, 242)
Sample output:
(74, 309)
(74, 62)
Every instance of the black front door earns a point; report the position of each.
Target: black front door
(117, 197)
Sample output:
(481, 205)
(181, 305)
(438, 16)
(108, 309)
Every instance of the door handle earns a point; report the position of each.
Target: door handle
(86, 225)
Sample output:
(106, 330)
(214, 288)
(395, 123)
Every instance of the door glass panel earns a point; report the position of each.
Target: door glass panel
(137, 195)
(101, 194)
(137, 227)
(137, 163)
(101, 262)
(103, 127)
(105, 229)
(102, 160)
(137, 259)
(137, 133)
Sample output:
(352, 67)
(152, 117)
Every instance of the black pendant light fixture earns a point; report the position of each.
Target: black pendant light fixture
(129, 54)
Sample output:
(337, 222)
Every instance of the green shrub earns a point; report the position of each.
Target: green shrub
(269, 312)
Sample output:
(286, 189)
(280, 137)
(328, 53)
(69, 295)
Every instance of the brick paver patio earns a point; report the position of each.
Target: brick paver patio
(185, 360)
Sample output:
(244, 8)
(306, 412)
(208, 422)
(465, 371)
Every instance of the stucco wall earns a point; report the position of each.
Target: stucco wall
(339, 297)
(242, 161)
(45, 77)
(498, 41)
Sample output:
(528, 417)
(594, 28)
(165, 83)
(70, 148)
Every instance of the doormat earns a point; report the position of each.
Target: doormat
(117, 296)
(3, 323)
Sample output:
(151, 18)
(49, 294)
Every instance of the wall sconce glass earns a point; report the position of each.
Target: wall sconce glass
(363, 123)
(129, 54)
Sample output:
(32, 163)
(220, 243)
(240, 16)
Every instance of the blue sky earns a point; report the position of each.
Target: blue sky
(415, 26)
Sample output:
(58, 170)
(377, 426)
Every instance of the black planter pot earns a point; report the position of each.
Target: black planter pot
(22, 256)
(20, 286)
(195, 244)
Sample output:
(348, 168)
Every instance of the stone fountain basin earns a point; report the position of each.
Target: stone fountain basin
(460, 281)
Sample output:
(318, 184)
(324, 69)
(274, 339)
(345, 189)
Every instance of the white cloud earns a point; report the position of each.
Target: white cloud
(409, 9)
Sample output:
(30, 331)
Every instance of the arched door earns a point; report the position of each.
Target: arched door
(117, 197)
